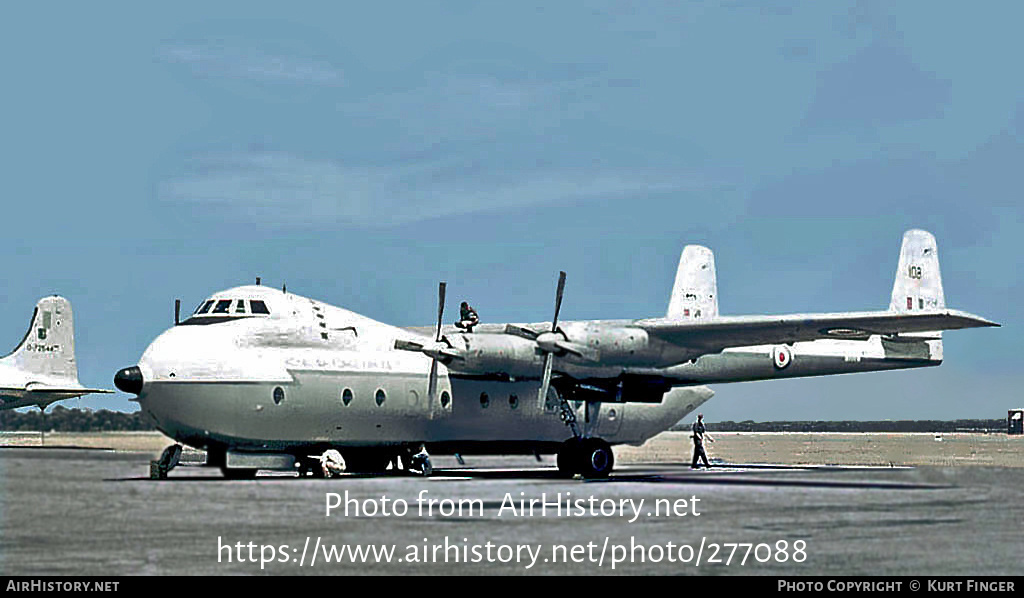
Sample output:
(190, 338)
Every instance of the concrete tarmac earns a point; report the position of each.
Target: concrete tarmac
(95, 512)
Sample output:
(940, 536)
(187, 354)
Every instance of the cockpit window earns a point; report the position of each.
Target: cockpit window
(216, 311)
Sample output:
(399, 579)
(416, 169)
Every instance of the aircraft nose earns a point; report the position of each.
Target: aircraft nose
(129, 380)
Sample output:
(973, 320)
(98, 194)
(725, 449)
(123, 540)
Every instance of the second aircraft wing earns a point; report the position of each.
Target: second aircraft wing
(711, 336)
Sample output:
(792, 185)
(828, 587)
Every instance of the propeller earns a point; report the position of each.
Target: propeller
(441, 349)
(554, 341)
(432, 384)
(549, 357)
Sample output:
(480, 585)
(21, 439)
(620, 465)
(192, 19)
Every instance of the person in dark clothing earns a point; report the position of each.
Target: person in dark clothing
(467, 317)
(699, 435)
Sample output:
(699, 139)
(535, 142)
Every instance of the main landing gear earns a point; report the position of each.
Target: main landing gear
(591, 458)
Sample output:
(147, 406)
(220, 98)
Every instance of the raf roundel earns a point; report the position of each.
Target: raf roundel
(781, 356)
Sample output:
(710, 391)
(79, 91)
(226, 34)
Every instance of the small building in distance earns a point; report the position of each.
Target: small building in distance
(1015, 422)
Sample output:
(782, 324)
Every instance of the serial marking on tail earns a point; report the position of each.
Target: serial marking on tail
(42, 369)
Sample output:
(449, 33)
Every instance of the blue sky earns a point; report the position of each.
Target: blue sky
(362, 152)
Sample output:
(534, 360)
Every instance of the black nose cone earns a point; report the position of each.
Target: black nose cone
(129, 380)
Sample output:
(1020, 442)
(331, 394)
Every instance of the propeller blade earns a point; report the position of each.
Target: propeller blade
(408, 345)
(558, 299)
(440, 308)
(432, 385)
(521, 331)
(581, 351)
(545, 380)
(432, 379)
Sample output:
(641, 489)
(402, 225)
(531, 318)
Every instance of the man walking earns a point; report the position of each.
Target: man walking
(699, 434)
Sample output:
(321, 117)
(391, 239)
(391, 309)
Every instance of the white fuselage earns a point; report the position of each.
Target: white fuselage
(312, 375)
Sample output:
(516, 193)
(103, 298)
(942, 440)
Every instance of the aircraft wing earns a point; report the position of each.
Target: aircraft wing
(711, 336)
(47, 389)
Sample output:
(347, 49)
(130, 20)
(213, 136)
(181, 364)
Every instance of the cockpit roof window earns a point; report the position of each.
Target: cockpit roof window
(205, 307)
(222, 306)
(258, 307)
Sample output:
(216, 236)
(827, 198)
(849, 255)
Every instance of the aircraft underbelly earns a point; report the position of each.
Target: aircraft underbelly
(370, 409)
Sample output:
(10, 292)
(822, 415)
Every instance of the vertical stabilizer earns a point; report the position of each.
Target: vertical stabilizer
(918, 284)
(49, 345)
(695, 292)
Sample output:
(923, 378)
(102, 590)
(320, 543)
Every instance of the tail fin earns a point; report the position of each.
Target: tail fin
(918, 284)
(49, 345)
(695, 292)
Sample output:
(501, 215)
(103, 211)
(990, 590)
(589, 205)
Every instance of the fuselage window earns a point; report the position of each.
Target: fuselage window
(278, 395)
(240, 306)
(258, 307)
(513, 401)
(222, 306)
(346, 396)
(485, 400)
(445, 398)
(205, 307)
(380, 397)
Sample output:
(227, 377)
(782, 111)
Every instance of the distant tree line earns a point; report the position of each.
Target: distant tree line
(957, 425)
(62, 419)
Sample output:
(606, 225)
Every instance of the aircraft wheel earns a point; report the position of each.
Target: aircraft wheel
(597, 459)
(372, 463)
(569, 458)
(238, 474)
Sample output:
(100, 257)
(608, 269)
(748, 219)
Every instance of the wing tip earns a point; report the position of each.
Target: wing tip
(973, 320)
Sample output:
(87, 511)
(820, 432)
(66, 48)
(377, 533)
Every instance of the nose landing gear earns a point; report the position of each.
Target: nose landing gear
(168, 460)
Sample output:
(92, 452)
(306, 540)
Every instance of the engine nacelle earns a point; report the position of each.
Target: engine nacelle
(502, 354)
(625, 346)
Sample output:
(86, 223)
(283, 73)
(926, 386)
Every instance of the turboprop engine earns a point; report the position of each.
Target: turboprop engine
(484, 354)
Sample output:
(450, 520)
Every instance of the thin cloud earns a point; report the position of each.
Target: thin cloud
(221, 59)
(285, 189)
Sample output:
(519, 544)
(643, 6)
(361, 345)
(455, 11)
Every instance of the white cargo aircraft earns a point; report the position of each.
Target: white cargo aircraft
(42, 369)
(264, 379)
